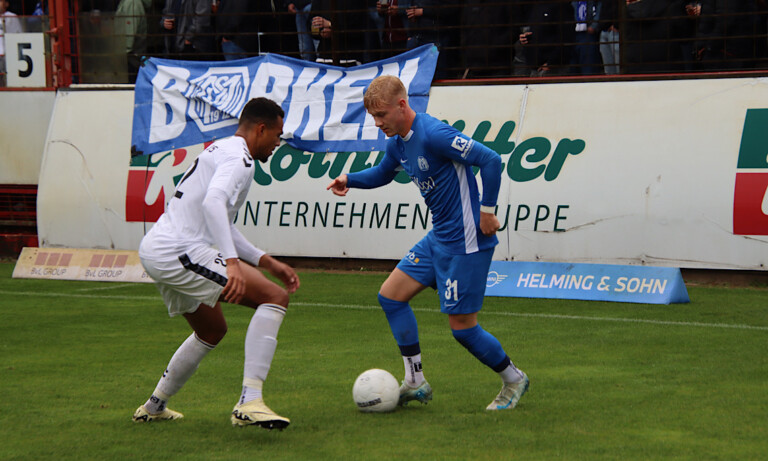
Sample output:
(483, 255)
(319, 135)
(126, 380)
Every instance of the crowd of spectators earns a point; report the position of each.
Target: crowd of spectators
(476, 38)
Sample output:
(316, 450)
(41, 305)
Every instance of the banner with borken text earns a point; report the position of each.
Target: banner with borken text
(182, 103)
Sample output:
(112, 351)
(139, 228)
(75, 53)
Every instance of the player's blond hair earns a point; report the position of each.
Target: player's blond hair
(385, 89)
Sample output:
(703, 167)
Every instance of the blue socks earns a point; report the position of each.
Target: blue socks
(484, 346)
(402, 322)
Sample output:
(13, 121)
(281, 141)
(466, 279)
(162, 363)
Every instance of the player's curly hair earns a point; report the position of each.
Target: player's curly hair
(261, 110)
(383, 89)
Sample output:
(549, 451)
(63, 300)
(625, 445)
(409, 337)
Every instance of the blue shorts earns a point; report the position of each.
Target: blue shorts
(458, 278)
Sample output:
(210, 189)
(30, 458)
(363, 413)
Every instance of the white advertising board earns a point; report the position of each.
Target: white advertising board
(609, 172)
(22, 134)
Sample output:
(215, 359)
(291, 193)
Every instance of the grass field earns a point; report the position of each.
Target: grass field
(608, 380)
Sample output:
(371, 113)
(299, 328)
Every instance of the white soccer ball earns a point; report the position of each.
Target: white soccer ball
(376, 390)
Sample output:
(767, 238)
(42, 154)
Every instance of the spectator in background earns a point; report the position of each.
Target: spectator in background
(761, 32)
(131, 23)
(585, 51)
(188, 23)
(487, 39)
(374, 36)
(37, 9)
(545, 37)
(9, 24)
(652, 35)
(277, 28)
(237, 26)
(395, 37)
(433, 21)
(727, 28)
(307, 44)
(6, 7)
(341, 31)
(609, 36)
(690, 32)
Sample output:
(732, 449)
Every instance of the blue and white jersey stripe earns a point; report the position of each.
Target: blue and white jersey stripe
(439, 159)
(470, 230)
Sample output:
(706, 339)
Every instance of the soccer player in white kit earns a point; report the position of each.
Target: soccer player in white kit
(198, 258)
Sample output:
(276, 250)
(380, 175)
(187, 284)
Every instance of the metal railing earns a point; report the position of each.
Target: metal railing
(476, 39)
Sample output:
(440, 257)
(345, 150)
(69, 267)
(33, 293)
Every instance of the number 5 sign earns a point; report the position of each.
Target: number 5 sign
(25, 60)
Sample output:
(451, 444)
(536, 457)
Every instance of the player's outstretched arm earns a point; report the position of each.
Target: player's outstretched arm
(339, 186)
(282, 271)
(370, 178)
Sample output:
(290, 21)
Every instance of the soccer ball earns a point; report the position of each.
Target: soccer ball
(376, 390)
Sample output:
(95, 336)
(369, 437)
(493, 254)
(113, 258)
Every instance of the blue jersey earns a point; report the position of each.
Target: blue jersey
(439, 159)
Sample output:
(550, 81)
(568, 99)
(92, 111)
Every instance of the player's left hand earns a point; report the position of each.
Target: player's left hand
(282, 271)
(489, 223)
(288, 276)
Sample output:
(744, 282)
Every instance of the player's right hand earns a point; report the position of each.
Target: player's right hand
(339, 186)
(234, 290)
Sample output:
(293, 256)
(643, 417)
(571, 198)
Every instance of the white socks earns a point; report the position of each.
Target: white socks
(181, 367)
(414, 376)
(260, 345)
(511, 374)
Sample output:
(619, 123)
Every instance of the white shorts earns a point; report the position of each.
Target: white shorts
(197, 277)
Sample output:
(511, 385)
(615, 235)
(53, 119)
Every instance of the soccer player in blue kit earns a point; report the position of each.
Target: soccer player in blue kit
(454, 257)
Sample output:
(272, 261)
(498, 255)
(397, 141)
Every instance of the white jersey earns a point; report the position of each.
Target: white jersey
(225, 165)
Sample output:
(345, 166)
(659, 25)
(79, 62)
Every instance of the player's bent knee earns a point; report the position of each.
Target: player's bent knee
(281, 298)
(213, 334)
(462, 321)
(277, 296)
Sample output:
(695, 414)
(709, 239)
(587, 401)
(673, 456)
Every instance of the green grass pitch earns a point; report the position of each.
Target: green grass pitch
(608, 380)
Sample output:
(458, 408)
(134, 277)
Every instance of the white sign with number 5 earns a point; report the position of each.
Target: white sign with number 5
(25, 60)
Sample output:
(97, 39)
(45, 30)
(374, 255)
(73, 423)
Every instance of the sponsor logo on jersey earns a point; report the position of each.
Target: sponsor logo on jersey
(423, 164)
(424, 186)
(412, 258)
(462, 145)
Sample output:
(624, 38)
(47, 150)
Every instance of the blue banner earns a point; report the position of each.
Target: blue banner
(181, 103)
(595, 282)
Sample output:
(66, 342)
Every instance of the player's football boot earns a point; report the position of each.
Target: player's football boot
(423, 393)
(510, 394)
(257, 413)
(141, 415)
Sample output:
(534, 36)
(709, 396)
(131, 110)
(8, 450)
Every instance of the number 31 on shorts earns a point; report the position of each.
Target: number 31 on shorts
(451, 290)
